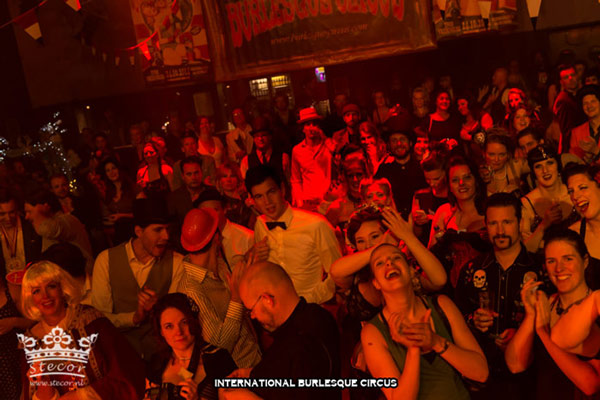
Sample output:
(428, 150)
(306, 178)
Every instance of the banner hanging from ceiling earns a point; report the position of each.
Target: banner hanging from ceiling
(260, 37)
(455, 18)
(179, 51)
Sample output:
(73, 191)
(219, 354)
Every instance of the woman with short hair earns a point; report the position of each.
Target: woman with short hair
(549, 203)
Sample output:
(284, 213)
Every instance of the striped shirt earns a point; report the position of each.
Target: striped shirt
(223, 321)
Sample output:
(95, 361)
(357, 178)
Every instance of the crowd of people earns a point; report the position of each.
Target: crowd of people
(451, 245)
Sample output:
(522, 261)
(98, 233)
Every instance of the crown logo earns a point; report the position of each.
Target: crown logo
(57, 355)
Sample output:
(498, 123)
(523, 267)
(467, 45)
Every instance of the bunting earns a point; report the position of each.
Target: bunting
(74, 4)
(30, 24)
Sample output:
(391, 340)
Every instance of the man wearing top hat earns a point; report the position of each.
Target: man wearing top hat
(311, 163)
(265, 151)
(351, 133)
(402, 170)
(129, 278)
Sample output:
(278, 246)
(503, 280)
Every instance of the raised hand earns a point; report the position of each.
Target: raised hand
(397, 225)
(528, 296)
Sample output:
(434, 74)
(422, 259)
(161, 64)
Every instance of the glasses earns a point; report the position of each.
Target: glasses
(251, 309)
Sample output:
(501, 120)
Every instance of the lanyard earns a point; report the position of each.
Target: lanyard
(12, 245)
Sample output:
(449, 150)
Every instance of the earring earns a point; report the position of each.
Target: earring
(416, 284)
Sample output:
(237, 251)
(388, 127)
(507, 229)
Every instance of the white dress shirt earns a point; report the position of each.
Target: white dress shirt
(232, 145)
(311, 172)
(305, 250)
(237, 240)
(102, 292)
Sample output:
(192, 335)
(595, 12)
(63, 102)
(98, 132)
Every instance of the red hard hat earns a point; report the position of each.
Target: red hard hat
(199, 227)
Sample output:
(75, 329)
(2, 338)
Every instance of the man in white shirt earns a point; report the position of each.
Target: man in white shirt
(237, 239)
(301, 242)
(311, 163)
(239, 141)
(129, 278)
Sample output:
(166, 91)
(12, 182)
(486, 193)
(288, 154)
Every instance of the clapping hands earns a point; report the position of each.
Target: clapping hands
(416, 333)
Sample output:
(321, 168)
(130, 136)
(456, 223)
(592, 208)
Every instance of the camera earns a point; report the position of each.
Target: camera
(170, 392)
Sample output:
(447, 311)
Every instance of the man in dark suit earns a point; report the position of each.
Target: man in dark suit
(20, 243)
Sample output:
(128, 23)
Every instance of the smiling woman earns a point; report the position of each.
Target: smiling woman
(51, 296)
(549, 203)
(559, 374)
(584, 191)
(188, 365)
(409, 340)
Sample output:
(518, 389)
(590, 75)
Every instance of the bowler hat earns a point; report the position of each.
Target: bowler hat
(308, 114)
(199, 227)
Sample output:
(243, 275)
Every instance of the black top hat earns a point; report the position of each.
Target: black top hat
(207, 195)
(148, 211)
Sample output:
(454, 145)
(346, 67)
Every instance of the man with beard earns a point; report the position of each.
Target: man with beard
(402, 170)
(489, 294)
(128, 279)
(350, 134)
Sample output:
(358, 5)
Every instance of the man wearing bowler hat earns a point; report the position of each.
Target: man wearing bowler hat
(129, 278)
(311, 163)
(209, 282)
(236, 239)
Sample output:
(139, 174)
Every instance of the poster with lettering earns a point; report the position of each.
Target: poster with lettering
(178, 49)
(503, 14)
(259, 37)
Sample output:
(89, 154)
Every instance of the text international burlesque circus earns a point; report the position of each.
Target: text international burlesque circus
(305, 383)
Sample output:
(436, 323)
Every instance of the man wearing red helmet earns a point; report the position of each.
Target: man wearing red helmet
(208, 281)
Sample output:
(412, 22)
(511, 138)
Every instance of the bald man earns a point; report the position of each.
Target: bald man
(305, 336)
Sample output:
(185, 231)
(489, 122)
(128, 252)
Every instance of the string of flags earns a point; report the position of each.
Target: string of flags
(29, 22)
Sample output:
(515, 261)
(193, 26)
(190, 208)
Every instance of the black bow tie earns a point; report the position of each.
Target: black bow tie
(273, 225)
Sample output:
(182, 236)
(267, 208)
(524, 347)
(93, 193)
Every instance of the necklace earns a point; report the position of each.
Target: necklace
(499, 179)
(559, 307)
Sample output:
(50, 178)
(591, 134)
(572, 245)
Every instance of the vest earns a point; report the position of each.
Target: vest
(275, 162)
(123, 284)
(125, 294)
